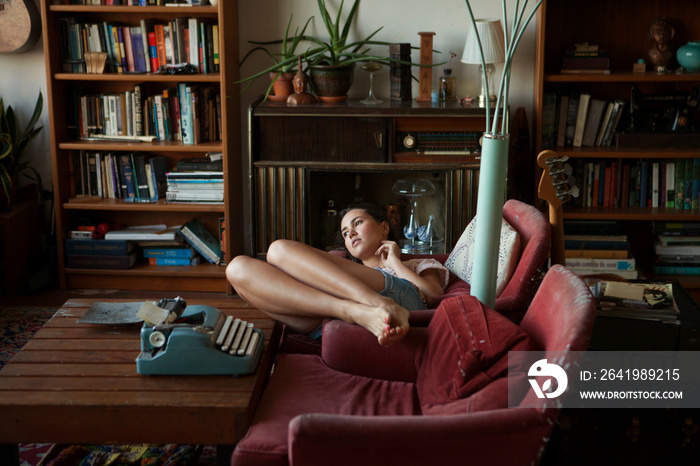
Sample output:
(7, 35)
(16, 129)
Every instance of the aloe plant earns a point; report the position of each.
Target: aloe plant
(336, 50)
(14, 143)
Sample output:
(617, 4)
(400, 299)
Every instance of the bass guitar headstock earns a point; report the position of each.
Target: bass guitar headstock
(557, 184)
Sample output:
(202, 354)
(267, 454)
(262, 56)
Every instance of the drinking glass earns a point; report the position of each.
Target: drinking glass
(371, 67)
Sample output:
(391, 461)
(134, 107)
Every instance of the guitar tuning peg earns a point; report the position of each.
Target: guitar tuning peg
(556, 160)
(566, 169)
(574, 191)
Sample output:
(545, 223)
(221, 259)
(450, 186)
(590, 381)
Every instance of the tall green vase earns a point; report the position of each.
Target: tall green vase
(489, 212)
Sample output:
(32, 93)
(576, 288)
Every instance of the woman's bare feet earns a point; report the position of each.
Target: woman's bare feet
(388, 321)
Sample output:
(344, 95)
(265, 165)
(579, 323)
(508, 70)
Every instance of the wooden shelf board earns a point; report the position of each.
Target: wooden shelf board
(630, 213)
(144, 270)
(627, 153)
(159, 206)
(138, 77)
(621, 77)
(156, 146)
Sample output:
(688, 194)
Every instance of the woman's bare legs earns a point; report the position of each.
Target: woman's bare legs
(300, 285)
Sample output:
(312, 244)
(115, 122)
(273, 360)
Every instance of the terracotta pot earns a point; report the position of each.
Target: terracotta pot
(283, 86)
(331, 82)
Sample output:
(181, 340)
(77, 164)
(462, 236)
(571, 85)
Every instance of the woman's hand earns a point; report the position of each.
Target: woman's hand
(390, 252)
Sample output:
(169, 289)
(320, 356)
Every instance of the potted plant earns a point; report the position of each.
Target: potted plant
(282, 72)
(14, 144)
(331, 59)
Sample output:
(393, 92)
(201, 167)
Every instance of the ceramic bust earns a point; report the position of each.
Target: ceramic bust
(661, 33)
(300, 96)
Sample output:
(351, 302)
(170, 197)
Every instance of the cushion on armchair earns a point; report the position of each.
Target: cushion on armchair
(461, 259)
(466, 352)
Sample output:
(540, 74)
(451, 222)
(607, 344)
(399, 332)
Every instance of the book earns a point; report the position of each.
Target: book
(604, 123)
(678, 240)
(670, 184)
(101, 261)
(140, 179)
(159, 168)
(143, 233)
(97, 246)
(198, 164)
(619, 242)
(677, 269)
(173, 261)
(649, 300)
(127, 177)
(169, 252)
(676, 249)
(584, 101)
(626, 274)
(585, 63)
(571, 116)
(610, 265)
(593, 121)
(661, 227)
(201, 239)
(562, 116)
(596, 253)
(549, 119)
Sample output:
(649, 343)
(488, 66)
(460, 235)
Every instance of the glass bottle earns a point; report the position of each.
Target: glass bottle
(447, 86)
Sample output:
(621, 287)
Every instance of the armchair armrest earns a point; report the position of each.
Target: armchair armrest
(352, 349)
(477, 438)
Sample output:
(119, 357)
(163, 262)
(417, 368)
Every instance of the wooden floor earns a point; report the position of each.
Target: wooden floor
(55, 297)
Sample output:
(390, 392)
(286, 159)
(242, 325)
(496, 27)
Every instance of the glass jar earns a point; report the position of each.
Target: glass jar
(447, 90)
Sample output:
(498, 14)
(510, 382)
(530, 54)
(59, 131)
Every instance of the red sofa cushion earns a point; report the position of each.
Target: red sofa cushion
(303, 384)
(467, 351)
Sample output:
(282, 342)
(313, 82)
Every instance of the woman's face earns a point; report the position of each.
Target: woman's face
(362, 233)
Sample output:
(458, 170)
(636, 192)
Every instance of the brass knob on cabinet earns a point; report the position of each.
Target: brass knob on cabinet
(409, 141)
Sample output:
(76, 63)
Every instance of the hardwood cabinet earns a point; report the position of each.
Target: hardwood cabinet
(61, 87)
(303, 158)
(620, 29)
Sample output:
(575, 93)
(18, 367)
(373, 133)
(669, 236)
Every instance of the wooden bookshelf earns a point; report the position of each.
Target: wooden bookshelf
(62, 84)
(621, 29)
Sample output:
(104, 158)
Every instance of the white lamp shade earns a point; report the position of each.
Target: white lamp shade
(492, 42)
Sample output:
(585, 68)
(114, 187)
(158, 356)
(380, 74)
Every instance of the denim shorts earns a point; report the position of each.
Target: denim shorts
(399, 289)
(403, 292)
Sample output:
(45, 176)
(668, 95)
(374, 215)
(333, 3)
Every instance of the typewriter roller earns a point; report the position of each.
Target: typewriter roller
(202, 341)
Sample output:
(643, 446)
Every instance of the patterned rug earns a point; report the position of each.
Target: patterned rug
(17, 325)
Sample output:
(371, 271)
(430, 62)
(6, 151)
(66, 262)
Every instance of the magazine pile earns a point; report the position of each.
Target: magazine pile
(645, 301)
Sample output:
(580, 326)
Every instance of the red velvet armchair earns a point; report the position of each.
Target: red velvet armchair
(535, 239)
(438, 397)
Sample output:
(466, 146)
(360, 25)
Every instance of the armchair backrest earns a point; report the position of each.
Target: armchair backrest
(535, 239)
(560, 317)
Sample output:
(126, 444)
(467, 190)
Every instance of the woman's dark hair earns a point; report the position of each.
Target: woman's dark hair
(374, 211)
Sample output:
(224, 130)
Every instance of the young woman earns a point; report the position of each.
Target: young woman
(300, 285)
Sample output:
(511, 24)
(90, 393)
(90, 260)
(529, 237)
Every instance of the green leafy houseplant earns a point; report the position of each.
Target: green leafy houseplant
(336, 50)
(285, 60)
(14, 143)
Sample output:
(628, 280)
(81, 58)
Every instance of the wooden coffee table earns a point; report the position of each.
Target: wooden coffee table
(77, 384)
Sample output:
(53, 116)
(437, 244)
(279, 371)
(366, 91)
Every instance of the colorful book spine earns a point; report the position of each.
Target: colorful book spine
(172, 261)
(169, 252)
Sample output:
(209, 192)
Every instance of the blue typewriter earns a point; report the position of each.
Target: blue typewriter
(198, 340)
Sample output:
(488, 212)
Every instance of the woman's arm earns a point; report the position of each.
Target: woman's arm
(428, 282)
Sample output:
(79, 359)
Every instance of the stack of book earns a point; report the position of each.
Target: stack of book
(197, 179)
(202, 240)
(189, 113)
(171, 255)
(598, 247)
(578, 119)
(643, 301)
(133, 177)
(141, 47)
(88, 253)
(585, 58)
(670, 183)
(677, 248)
